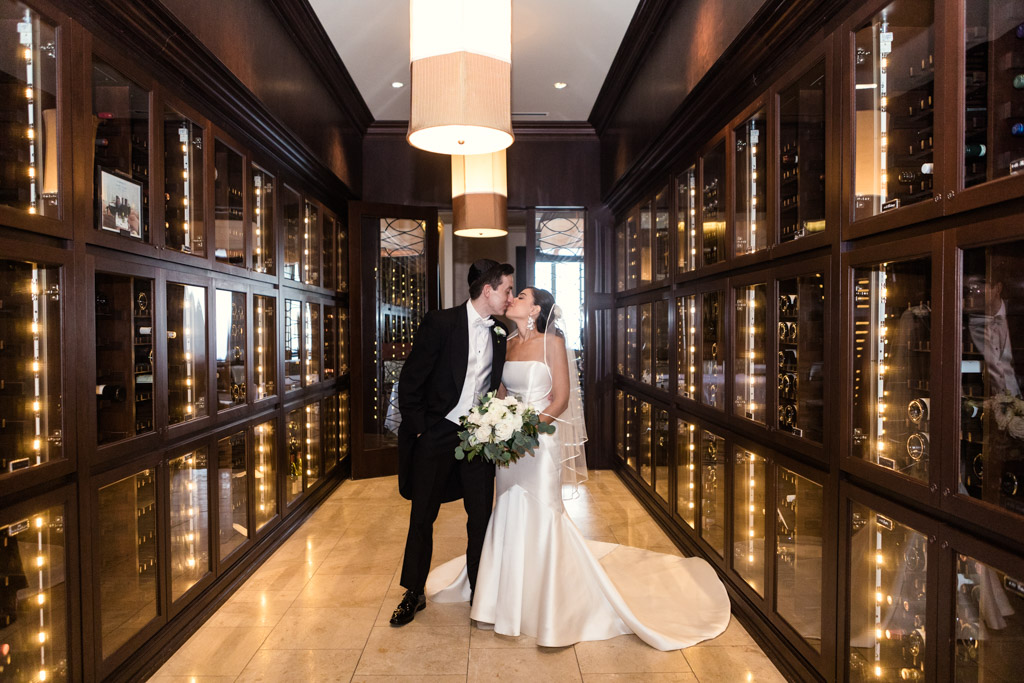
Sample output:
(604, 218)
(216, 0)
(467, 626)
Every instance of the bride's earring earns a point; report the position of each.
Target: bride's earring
(529, 324)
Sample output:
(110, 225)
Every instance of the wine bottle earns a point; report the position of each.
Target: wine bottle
(110, 392)
(1009, 484)
(907, 176)
(971, 410)
(917, 410)
(974, 150)
(145, 331)
(917, 446)
(927, 168)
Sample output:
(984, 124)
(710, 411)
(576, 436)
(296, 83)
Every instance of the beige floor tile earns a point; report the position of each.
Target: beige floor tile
(354, 557)
(300, 666)
(640, 534)
(191, 679)
(321, 628)
(729, 664)
(356, 590)
(487, 638)
(528, 666)
(734, 636)
(640, 678)
(253, 607)
(451, 678)
(411, 651)
(215, 652)
(627, 654)
(278, 575)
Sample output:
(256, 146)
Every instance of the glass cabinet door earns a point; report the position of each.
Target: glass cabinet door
(265, 473)
(30, 177)
(183, 184)
(986, 627)
(266, 346)
(661, 345)
(296, 454)
(894, 96)
(750, 157)
(748, 518)
(232, 493)
(620, 340)
(632, 339)
(661, 235)
(686, 470)
(311, 245)
(892, 366)
(190, 520)
(632, 252)
(799, 538)
(632, 427)
(887, 598)
(292, 344)
(802, 155)
(31, 415)
(330, 242)
(231, 330)
(126, 558)
(344, 425)
(646, 243)
(186, 352)
(263, 226)
(712, 490)
(993, 145)
(646, 344)
(750, 332)
(686, 346)
(620, 425)
(686, 219)
(291, 207)
(227, 205)
(124, 357)
(991, 405)
(621, 260)
(713, 198)
(712, 342)
(313, 346)
(801, 361)
(312, 444)
(660, 453)
(645, 429)
(330, 342)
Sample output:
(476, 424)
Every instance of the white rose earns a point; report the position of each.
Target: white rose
(483, 434)
(503, 430)
(515, 420)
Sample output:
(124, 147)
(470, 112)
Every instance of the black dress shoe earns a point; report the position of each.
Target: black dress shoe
(412, 602)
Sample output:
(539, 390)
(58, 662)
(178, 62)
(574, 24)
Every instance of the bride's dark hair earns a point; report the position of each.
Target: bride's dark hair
(544, 299)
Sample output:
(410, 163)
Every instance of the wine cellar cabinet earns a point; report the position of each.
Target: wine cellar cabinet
(152, 440)
(841, 346)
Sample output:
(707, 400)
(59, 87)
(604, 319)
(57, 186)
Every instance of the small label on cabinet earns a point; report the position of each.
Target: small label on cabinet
(970, 367)
(885, 41)
(884, 522)
(798, 432)
(888, 463)
(1016, 166)
(19, 464)
(17, 527)
(891, 204)
(1013, 585)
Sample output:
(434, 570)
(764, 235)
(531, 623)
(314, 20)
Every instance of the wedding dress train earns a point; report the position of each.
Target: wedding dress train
(538, 576)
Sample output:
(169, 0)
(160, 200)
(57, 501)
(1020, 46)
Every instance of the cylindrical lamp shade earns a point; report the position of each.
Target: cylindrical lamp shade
(461, 75)
(480, 195)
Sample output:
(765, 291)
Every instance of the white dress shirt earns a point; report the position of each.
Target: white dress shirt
(478, 366)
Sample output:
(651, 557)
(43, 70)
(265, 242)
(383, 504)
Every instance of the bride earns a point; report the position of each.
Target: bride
(538, 576)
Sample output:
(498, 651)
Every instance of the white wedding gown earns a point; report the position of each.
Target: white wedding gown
(538, 576)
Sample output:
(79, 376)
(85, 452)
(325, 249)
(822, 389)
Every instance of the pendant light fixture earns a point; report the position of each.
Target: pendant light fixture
(480, 195)
(460, 55)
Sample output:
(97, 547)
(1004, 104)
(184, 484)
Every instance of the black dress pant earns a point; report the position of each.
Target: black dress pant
(433, 466)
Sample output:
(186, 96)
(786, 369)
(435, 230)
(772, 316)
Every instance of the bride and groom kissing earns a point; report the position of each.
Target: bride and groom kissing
(527, 569)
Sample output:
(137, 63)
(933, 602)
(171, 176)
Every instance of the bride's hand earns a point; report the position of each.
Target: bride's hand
(502, 391)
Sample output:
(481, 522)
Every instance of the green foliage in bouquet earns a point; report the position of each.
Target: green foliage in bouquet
(500, 430)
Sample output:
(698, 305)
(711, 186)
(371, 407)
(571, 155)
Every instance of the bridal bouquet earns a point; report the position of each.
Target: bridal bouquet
(500, 430)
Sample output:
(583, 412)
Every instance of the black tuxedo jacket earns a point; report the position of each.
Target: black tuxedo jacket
(431, 382)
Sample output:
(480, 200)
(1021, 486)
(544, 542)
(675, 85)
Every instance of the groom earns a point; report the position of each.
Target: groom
(457, 357)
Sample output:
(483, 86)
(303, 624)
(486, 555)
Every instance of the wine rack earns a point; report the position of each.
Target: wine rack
(266, 346)
(228, 205)
(263, 249)
(802, 156)
(231, 349)
(686, 219)
(801, 356)
(265, 473)
(187, 372)
(750, 325)
(645, 429)
(232, 493)
(712, 490)
(311, 245)
(713, 197)
(292, 345)
(183, 183)
(646, 344)
(291, 210)
(799, 553)
(687, 439)
(750, 154)
(712, 350)
(124, 356)
(748, 519)
(686, 349)
(190, 520)
(987, 628)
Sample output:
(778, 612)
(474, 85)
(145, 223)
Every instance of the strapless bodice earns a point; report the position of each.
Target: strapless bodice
(528, 379)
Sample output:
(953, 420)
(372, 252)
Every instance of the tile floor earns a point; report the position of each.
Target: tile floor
(318, 609)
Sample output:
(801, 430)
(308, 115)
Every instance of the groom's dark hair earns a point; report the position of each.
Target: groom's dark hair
(486, 271)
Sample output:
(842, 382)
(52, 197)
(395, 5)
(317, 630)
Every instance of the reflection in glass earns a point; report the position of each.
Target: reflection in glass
(312, 443)
(342, 341)
(266, 473)
(342, 257)
(232, 493)
(344, 426)
(892, 357)
(34, 598)
(330, 241)
(895, 108)
(713, 206)
(620, 340)
(291, 206)
(186, 352)
(646, 243)
(296, 451)
(126, 558)
(121, 112)
(266, 346)
(660, 453)
(311, 245)
(331, 410)
(661, 345)
(30, 401)
(313, 347)
(263, 247)
(751, 342)
(661, 234)
(801, 344)
(686, 345)
(991, 411)
(712, 351)
(292, 344)
(686, 470)
(631, 342)
(631, 431)
(748, 518)
(620, 424)
(798, 553)
(632, 252)
(124, 374)
(183, 183)
(986, 631)
(646, 344)
(712, 490)
(686, 219)
(620, 257)
(802, 155)
(888, 599)
(231, 327)
(751, 184)
(644, 432)
(994, 69)
(30, 179)
(331, 324)
(190, 520)
(227, 207)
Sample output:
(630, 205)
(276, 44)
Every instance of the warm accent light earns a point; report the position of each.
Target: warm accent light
(460, 54)
(480, 195)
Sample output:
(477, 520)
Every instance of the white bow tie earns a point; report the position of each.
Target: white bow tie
(484, 322)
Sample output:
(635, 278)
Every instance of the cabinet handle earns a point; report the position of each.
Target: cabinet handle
(951, 194)
(937, 198)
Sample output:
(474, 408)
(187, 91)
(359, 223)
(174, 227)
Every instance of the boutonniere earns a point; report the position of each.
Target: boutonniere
(499, 331)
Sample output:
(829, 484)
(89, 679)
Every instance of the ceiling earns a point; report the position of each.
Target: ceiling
(571, 41)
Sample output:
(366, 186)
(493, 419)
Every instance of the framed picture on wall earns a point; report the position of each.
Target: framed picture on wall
(120, 206)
